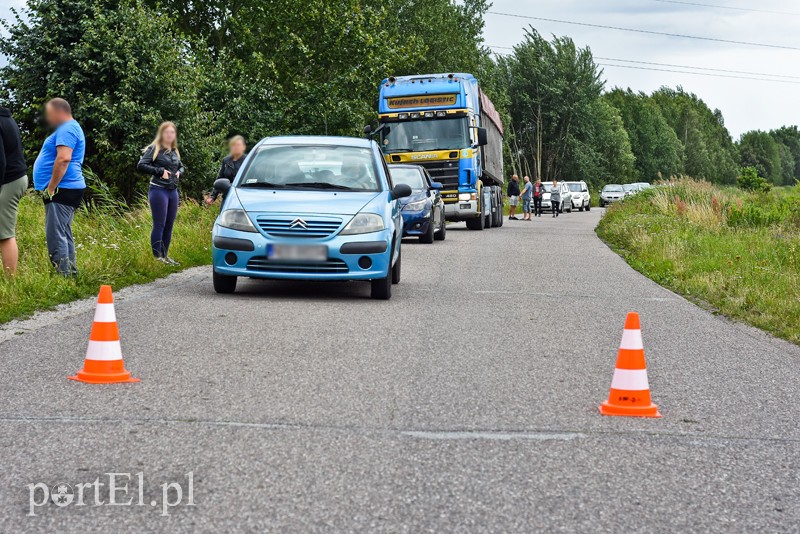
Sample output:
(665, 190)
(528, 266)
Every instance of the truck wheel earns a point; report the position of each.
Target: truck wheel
(477, 222)
(497, 221)
(224, 284)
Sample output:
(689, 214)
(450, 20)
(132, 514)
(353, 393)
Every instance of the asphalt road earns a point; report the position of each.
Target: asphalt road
(466, 403)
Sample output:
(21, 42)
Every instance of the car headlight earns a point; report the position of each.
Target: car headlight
(364, 223)
(415, 206)
(236, 220)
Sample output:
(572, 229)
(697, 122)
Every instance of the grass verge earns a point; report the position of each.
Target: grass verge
(113, 247)
(737, 253)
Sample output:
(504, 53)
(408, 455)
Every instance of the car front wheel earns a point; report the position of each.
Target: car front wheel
(224, 284)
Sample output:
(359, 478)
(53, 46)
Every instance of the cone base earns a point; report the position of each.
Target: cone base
(94, 378)
(629, 411)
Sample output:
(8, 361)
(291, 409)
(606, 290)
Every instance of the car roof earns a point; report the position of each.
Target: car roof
(325, 140)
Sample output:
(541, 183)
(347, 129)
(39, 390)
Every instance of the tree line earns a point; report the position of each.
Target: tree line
(218, 68)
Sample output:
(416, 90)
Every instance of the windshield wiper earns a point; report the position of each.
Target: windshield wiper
(319, 185)
(264, 185)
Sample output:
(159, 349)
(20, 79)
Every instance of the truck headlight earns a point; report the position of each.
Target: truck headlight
(364, 223)
(415, 206)
(466, 197)
(236, 220)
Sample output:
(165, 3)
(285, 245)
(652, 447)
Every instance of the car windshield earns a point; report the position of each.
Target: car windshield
(628, 187)
(311, 167)
(409, 176)
(548, 187)
(425, 135)
(575, 188)
(613, 189)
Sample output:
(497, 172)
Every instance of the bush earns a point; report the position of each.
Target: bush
(749, 180)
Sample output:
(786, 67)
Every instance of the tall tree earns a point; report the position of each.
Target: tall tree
(657, 150)
(759, 150)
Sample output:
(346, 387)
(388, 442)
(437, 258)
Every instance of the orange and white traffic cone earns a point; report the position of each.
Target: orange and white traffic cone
(630, 390)
(103, 364)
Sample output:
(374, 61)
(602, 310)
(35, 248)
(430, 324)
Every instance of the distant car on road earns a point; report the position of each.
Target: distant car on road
(630, 189)
(641, 186)
(611, 193)
(581, 198)
(310, 208)
(566, 197)
(423, 210)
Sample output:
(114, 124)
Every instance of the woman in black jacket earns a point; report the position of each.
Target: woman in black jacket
(162, 162)
(237, 152)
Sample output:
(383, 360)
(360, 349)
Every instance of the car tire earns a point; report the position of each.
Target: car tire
(581, 208)
(224, 284)
(588, 206)
(396, 269)
(427, 237)
(442, 233)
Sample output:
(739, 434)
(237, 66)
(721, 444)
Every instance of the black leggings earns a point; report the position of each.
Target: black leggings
(554, 207)
(537, 205)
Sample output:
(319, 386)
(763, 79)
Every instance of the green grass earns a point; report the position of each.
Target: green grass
(736, 253)
(113, 248)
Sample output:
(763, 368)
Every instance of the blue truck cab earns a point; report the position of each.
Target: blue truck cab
(310, 208)
(445, 123)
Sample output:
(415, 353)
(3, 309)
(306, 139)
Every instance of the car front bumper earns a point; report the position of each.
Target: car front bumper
(416, 223)
(352, 257)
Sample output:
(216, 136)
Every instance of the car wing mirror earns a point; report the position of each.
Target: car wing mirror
(436, 185)
(401, 191)
(222, 185)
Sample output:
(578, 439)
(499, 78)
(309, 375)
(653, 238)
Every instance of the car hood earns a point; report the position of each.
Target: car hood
(295, 202)
(415, 196)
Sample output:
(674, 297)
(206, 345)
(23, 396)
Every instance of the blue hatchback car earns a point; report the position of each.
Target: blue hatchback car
(310, 208)
(423, 210)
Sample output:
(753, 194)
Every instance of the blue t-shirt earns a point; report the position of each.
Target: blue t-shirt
(70, 135)
(527, 191)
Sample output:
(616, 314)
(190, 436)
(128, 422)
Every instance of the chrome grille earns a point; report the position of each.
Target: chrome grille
(265, 265)
(299, 227)
(443, 171)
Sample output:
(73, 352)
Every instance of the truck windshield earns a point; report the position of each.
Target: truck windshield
(311, 167)
(425, 135)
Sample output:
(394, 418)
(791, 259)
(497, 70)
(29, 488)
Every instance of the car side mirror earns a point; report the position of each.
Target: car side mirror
(223, 185)
(401, 191)
(436, 185)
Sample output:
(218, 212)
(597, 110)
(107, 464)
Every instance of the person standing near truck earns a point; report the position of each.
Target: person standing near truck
(527, 196)
(538, 193)
(555, 198)
(13, 183)
(58, 174)
(513, 197)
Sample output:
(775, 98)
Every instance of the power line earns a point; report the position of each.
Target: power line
(699, 68)
(633, 67)
(710, 69)
(713, 75)
(747, 9)
(649, 32)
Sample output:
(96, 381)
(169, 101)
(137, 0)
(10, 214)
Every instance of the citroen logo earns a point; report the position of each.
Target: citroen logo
(299, 223)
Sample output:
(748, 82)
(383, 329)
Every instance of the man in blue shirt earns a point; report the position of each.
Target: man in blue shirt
(57, 174)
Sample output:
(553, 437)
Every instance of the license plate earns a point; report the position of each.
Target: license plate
(297, 252)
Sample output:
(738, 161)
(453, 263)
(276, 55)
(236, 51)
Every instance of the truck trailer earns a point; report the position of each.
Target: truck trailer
(445, 123)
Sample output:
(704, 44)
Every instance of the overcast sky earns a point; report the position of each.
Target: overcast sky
(746, 104)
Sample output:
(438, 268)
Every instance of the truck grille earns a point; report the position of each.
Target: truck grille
(443, 171)
(265, 265)
(299, 227)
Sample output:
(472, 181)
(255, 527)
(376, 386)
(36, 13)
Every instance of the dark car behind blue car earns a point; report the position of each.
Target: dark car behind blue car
(423, 210)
